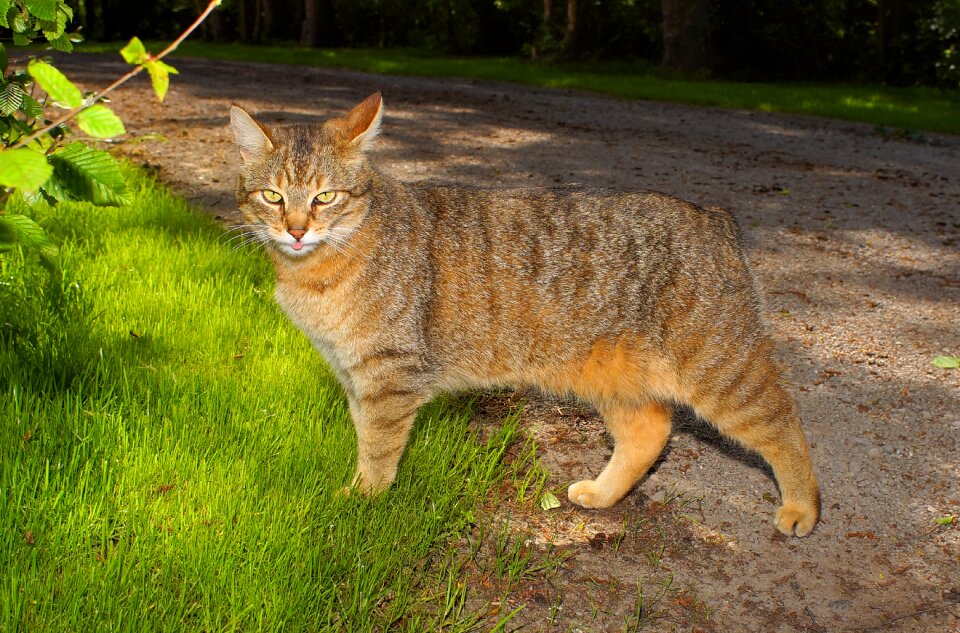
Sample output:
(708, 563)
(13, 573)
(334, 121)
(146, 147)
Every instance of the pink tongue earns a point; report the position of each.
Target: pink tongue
(297, 245)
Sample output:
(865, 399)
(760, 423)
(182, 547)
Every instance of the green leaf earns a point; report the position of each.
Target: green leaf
(947, 362)
(24, 168)
(19, 230)
(11, 98)
(4, 8)
(549, 501)
(53, 29)
(21, 24)
(160, 76)
(134, 52)
(43, 9)
(945, 520)
(99, 121)
(31, 108)
(4, 60)
(56, 84)
(63, 43)
(20, 39)
(84, 173)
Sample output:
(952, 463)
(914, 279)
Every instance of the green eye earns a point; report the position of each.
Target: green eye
(271, 196)
(326, 197)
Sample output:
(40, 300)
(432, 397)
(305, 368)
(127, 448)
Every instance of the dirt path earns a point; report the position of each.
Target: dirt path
(854, 236)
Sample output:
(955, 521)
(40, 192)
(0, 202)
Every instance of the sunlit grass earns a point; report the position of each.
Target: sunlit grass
(171, 448)
(902, 108)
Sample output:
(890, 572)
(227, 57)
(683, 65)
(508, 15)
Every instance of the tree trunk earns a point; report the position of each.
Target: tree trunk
(570, 34)
(257, 20)
(309, 34)
(243, 21)
(686, 36)
(268, 14)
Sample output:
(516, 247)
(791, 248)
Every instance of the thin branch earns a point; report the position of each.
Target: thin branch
(122, 80)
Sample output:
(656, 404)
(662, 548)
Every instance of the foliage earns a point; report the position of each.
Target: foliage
(38, 103)
(889, 41)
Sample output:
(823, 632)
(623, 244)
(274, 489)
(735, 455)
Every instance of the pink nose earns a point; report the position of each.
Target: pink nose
(297, 233)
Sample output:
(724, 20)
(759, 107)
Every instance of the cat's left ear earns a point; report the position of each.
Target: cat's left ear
(362, 124)
(251, 137)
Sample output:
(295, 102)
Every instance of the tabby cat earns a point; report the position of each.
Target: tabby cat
(632, 302)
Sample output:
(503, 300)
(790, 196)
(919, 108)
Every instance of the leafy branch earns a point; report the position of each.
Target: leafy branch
(35, 158)
(134, 53)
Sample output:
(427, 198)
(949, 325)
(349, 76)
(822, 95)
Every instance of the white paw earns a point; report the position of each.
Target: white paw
(588, 494)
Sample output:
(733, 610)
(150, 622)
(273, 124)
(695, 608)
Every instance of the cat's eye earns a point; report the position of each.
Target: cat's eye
(271, 196)
(326, 197)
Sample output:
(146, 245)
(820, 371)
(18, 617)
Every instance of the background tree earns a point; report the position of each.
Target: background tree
(686, 36)
(892, 41)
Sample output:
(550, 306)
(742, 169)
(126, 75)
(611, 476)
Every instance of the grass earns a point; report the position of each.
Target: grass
(906, 109)
(171, 448)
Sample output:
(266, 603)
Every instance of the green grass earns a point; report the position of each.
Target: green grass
(171, 448)
(906, 109)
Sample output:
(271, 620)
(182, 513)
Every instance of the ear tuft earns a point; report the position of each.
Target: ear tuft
(362, 124)
(252, 138)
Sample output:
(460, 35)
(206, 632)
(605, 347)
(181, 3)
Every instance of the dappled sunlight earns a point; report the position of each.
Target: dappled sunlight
(877, 102)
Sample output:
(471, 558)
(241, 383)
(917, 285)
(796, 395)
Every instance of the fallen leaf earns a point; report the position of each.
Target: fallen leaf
(28, 537)
(947, 520)
(947, 362)
(549, 501)
(769, 498)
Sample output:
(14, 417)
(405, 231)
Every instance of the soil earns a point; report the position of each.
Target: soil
(852, 231)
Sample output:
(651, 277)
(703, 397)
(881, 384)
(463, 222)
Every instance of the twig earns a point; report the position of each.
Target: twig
(883, 625)
(122, 80)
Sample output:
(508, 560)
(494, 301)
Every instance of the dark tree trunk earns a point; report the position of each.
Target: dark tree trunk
(257, 20)
(243, 20)
(686, 36)
(889, 17)
(268, 8)
(570, 34)
(309, 34)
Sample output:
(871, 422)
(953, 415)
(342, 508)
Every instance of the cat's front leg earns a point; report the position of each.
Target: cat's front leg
(382, 417)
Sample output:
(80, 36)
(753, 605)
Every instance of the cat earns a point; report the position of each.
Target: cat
(633, 302)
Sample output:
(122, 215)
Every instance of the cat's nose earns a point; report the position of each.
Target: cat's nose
(297, 233)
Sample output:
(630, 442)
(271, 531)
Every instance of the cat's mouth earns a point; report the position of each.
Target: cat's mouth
(296, 248)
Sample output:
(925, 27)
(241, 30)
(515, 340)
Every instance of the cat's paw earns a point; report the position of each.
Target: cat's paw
(589, 494)
(796, 518)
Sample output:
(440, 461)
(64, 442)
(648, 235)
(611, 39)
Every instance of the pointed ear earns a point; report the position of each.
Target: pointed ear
(252, 138)
(362, 124)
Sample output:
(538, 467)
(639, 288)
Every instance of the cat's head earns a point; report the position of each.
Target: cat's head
(303, 186)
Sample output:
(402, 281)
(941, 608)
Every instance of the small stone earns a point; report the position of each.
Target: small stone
(874, 452)
(955, 425)
(840, 605)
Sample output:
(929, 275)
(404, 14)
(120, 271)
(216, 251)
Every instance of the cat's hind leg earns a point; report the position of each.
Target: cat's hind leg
(754, 409)
(640, 432)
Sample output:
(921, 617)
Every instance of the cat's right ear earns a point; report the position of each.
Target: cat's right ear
(362, 124)
(251, 138)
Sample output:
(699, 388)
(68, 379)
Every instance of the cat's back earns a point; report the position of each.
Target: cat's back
(564, 222)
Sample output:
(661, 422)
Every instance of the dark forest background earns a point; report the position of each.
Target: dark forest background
(898, 42)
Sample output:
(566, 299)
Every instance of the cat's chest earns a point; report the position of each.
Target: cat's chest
(322, 316)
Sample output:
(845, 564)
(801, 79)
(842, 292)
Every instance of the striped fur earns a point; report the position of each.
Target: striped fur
(631, 301)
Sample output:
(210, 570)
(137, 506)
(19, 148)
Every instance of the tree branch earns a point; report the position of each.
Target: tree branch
(122, 80)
